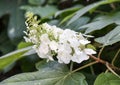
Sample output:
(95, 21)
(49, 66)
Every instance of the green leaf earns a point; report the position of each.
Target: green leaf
(10, 58)
(47, 75)
(51, 65)
(23, 45)
(106, 79)
(68, 11)
(102, 21)
(5, 44)
(36, 2)
(114, 82)
(79, 22)
(90, 46)
(90, 78)
(16, 22)
(66, 18)
(43, 12)
(82, 11)
(27, 63)
(110, 38)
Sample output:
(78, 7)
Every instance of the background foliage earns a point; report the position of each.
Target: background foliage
(100, 18)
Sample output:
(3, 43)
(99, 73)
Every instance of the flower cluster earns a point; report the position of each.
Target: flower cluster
(51, 41)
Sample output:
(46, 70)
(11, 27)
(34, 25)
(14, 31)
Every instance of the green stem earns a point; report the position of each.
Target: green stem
(87, 65)
(99, 54)
(112, 6)
(106, 70)
(71, 66)
(109, 68)
(92, 70)
(115, 57)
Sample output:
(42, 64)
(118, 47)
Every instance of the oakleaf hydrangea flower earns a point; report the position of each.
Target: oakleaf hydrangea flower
(51, 41)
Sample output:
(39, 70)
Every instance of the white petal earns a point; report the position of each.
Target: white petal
(44, 38)
(53, 45)
(89, 51)
(43, 48)
(84, 42)
(78, 58)
(64, 57)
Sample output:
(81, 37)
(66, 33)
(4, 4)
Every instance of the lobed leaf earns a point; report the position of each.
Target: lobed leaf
(52, 76)
(10, 58)
(82, 11)
(107, 79)
(110, 38)
(101, 22)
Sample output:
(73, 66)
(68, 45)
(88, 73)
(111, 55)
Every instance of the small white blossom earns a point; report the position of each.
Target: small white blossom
(47, 56)
(47, 27)
(64, 57)
(33, 31)
(53, 45)
(56, 31)
(82, 55)
(79, 57)
(44, 38)
(35, 25)
(64, 53)
(43, 48)
(89, 51)
(84, 42)
(34, 39)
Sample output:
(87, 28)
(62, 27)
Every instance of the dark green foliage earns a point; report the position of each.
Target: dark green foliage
(100, 18)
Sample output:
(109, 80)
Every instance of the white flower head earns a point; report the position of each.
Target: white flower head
(67, 44)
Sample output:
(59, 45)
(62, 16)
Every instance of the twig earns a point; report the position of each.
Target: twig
(99, 54)
(115, 57)
(104, 62)
(71, 66)
(98, 60)
(87, 65)
(109, 68)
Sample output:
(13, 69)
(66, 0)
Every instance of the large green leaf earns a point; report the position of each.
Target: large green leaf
(102, 21)
(5, 44)
(27, 63)
(79, 22)
(10, 58)
(110, 38)
(36, 2)
(82, 11)
(114, 82)
(16, 22)
(43, 65)
(68, 11)
(107, 79)
(43, 12)
(51, 73)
